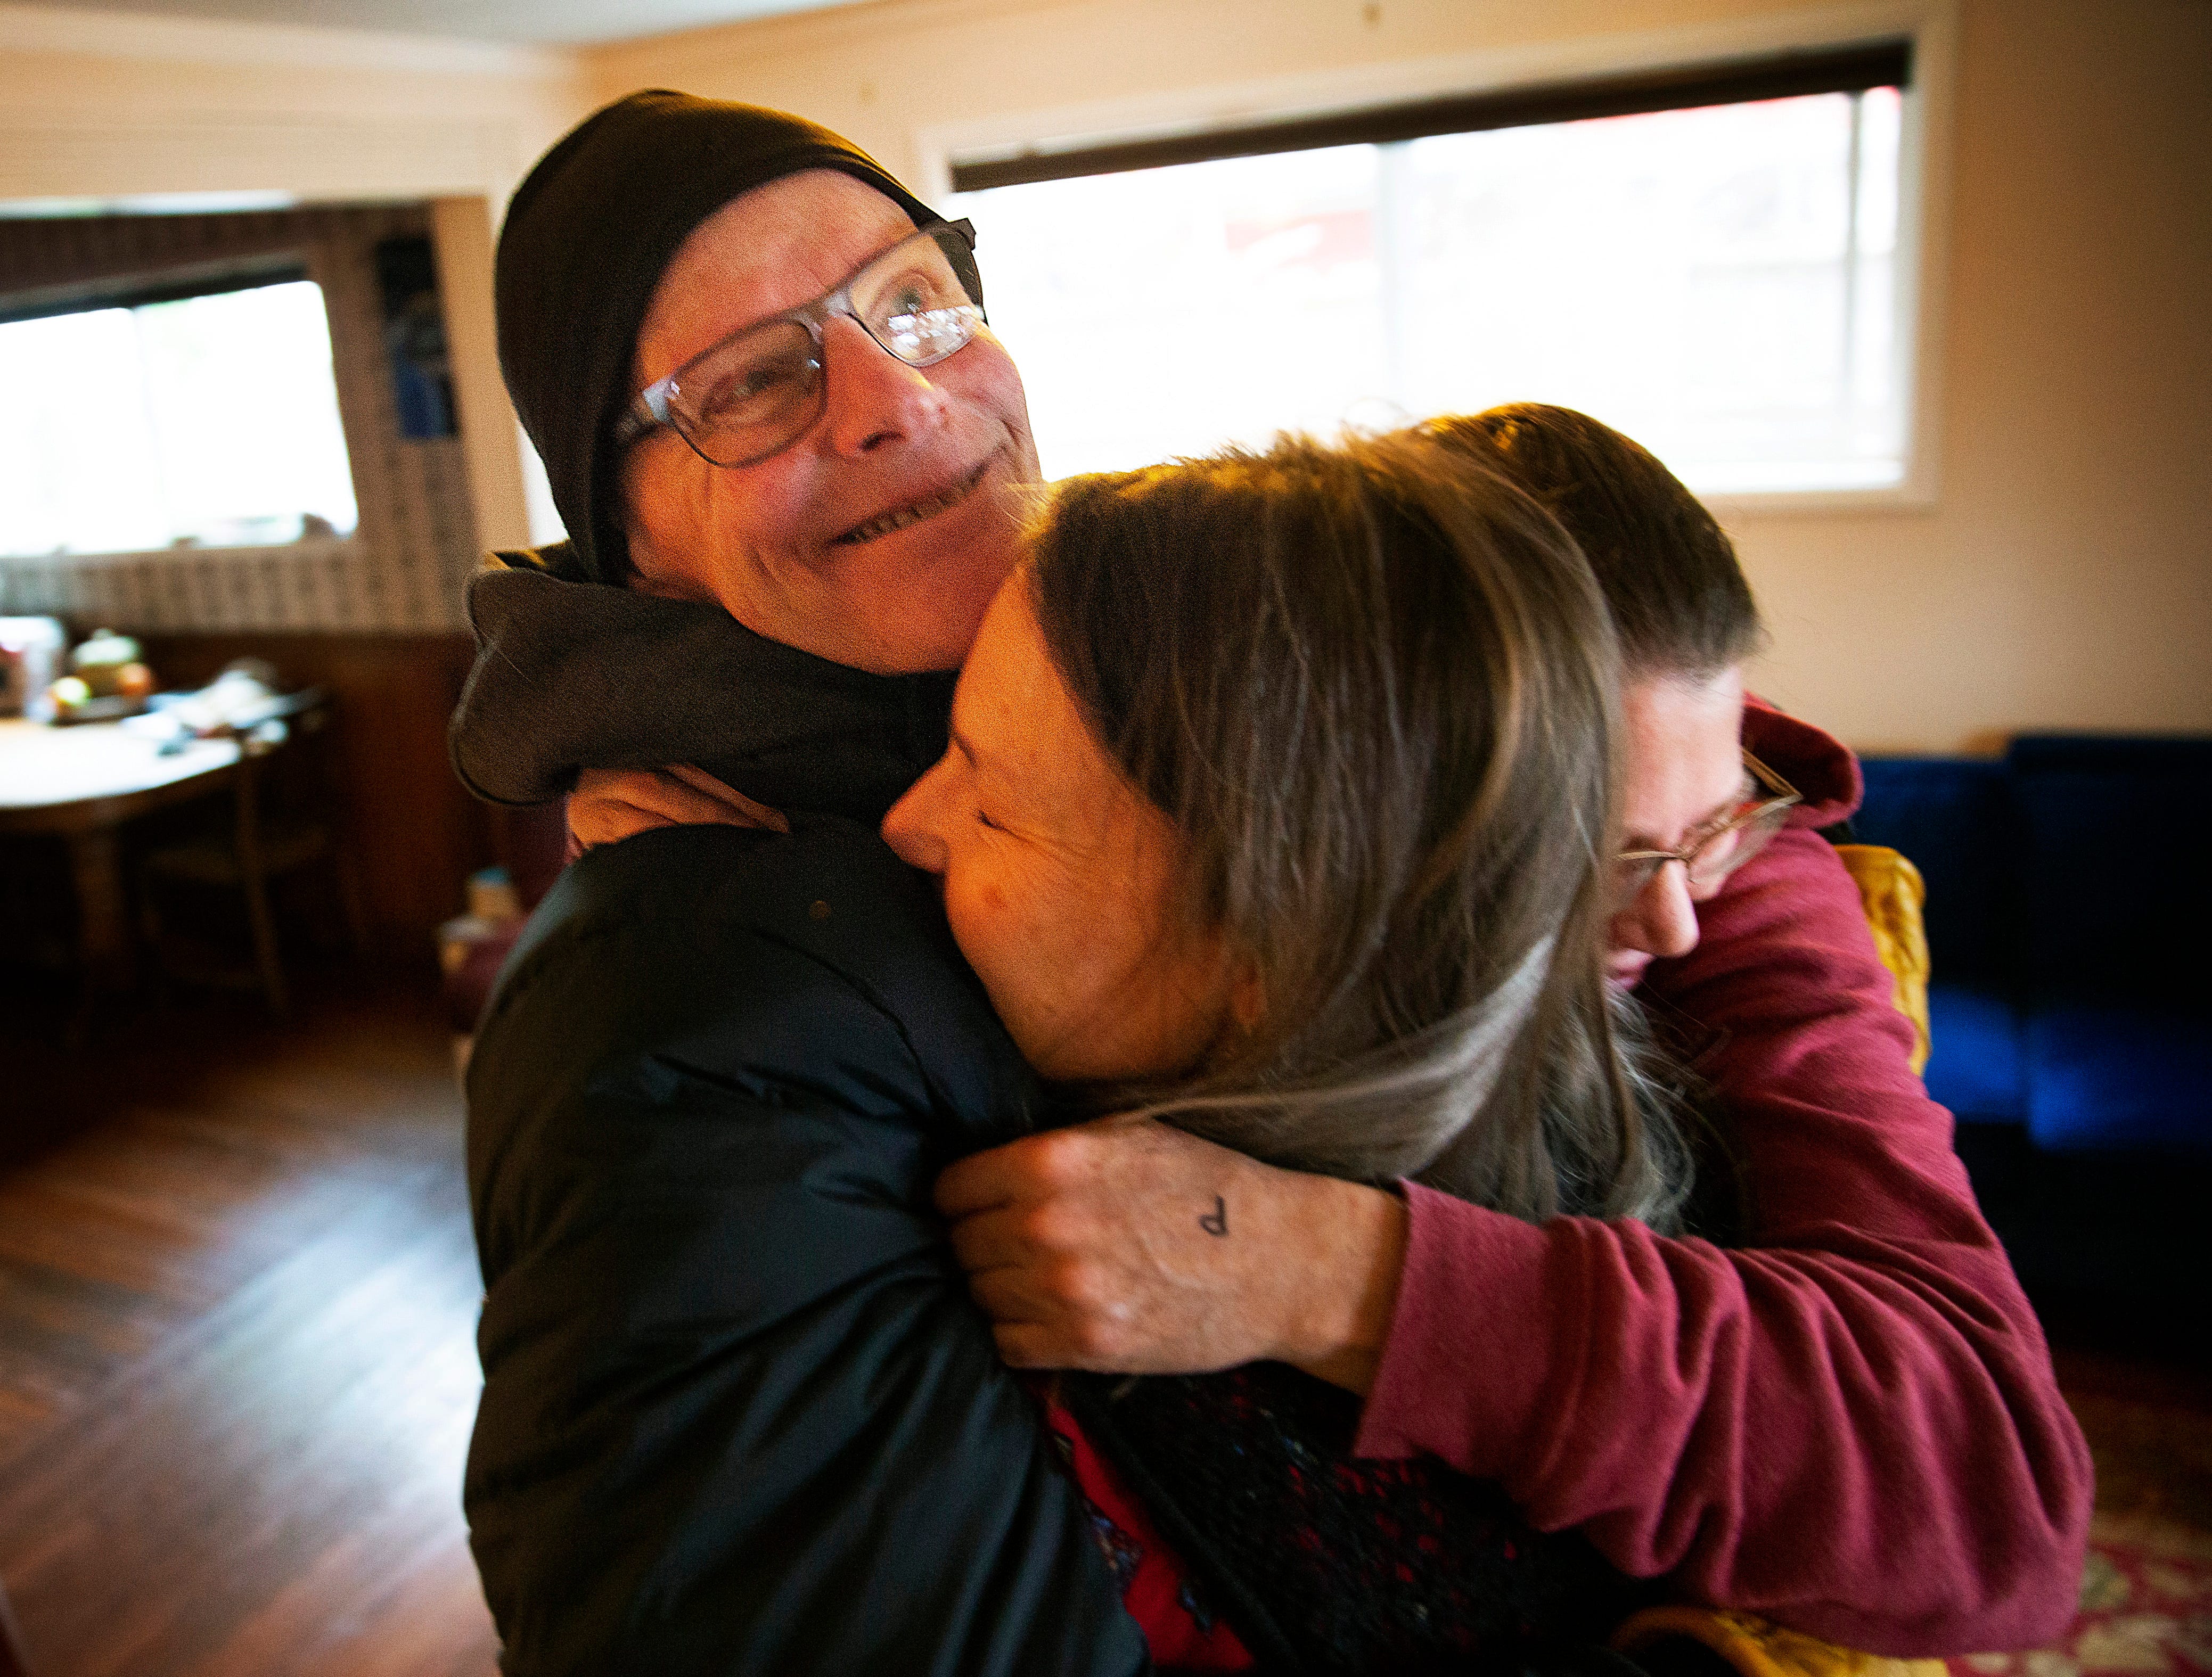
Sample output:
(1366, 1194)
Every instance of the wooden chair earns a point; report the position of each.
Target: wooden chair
(283, 819)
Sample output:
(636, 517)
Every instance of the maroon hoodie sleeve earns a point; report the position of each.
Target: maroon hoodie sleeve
(1849, 1423)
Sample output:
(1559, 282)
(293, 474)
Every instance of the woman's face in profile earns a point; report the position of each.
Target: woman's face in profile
(1059, 874)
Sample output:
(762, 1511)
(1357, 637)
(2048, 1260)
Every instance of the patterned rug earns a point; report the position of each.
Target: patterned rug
(2147, 1592)
(2146, 1609)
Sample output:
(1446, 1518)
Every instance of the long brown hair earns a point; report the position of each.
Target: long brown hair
(1375, 694)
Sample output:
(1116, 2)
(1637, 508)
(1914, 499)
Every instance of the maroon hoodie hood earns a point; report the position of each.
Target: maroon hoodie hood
(1821, 766)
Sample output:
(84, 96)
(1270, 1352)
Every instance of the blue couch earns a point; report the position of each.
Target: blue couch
(2070, 922)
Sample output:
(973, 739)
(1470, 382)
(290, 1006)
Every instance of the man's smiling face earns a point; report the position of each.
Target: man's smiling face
(878, 538)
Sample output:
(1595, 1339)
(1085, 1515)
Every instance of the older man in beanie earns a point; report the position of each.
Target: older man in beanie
(739, 1415)
(736, 1414)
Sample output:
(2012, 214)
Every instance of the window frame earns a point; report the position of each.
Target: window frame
(180, 283)
(159, 285)
(1548, 75)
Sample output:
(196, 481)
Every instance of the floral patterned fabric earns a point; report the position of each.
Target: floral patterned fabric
(1181, 1629)
(2146, 1609)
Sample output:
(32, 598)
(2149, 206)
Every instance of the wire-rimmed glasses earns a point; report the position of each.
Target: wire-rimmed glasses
(757, 391)
(1722, 845)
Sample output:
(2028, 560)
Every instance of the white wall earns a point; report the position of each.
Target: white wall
(2062, 575)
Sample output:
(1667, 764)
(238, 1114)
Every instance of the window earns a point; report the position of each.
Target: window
(153, 421)
(1707, 260)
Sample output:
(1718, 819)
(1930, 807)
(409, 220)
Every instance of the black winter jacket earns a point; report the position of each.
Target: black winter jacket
(740, 1414)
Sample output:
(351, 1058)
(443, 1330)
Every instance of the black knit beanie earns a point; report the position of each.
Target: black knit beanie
(586, 237)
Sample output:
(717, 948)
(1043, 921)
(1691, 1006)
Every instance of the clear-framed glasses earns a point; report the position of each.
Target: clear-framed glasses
(1722, 845)
(756, 391)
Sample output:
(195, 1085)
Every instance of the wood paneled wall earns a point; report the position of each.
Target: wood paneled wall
(416, 834)
(403, 568)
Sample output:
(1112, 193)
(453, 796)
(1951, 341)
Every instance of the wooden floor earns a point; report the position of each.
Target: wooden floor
(237, 1297)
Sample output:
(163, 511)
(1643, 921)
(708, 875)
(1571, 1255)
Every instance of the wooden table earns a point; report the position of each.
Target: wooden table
(81, 784)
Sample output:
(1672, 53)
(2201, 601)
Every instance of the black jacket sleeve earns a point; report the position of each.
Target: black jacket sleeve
(739, 1413)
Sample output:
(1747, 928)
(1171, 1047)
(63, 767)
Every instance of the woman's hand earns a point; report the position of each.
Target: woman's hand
(1129, 1247)
(610, 804)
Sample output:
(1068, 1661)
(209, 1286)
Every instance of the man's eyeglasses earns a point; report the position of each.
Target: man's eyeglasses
(1721, 846)
(756, 391)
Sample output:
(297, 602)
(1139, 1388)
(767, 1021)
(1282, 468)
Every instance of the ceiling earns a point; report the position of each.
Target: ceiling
(545, 22)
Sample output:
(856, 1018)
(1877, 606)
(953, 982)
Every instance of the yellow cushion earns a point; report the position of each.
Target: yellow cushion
(1892, 894)
(1757, 1649)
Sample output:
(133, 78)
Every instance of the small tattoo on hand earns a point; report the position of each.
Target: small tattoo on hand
(1216, 1222)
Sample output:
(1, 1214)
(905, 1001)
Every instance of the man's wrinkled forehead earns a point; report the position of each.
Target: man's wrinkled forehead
(776, 247)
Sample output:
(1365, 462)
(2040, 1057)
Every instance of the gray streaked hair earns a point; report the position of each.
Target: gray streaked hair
(1375, 693)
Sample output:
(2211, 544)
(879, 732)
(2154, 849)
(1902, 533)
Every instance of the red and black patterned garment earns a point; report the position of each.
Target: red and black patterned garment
(1246, 1535)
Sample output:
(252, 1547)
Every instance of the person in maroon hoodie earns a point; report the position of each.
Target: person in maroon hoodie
(1845, 1418)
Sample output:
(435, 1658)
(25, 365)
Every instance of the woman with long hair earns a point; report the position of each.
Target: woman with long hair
(1279, 806)
(1350, 718)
